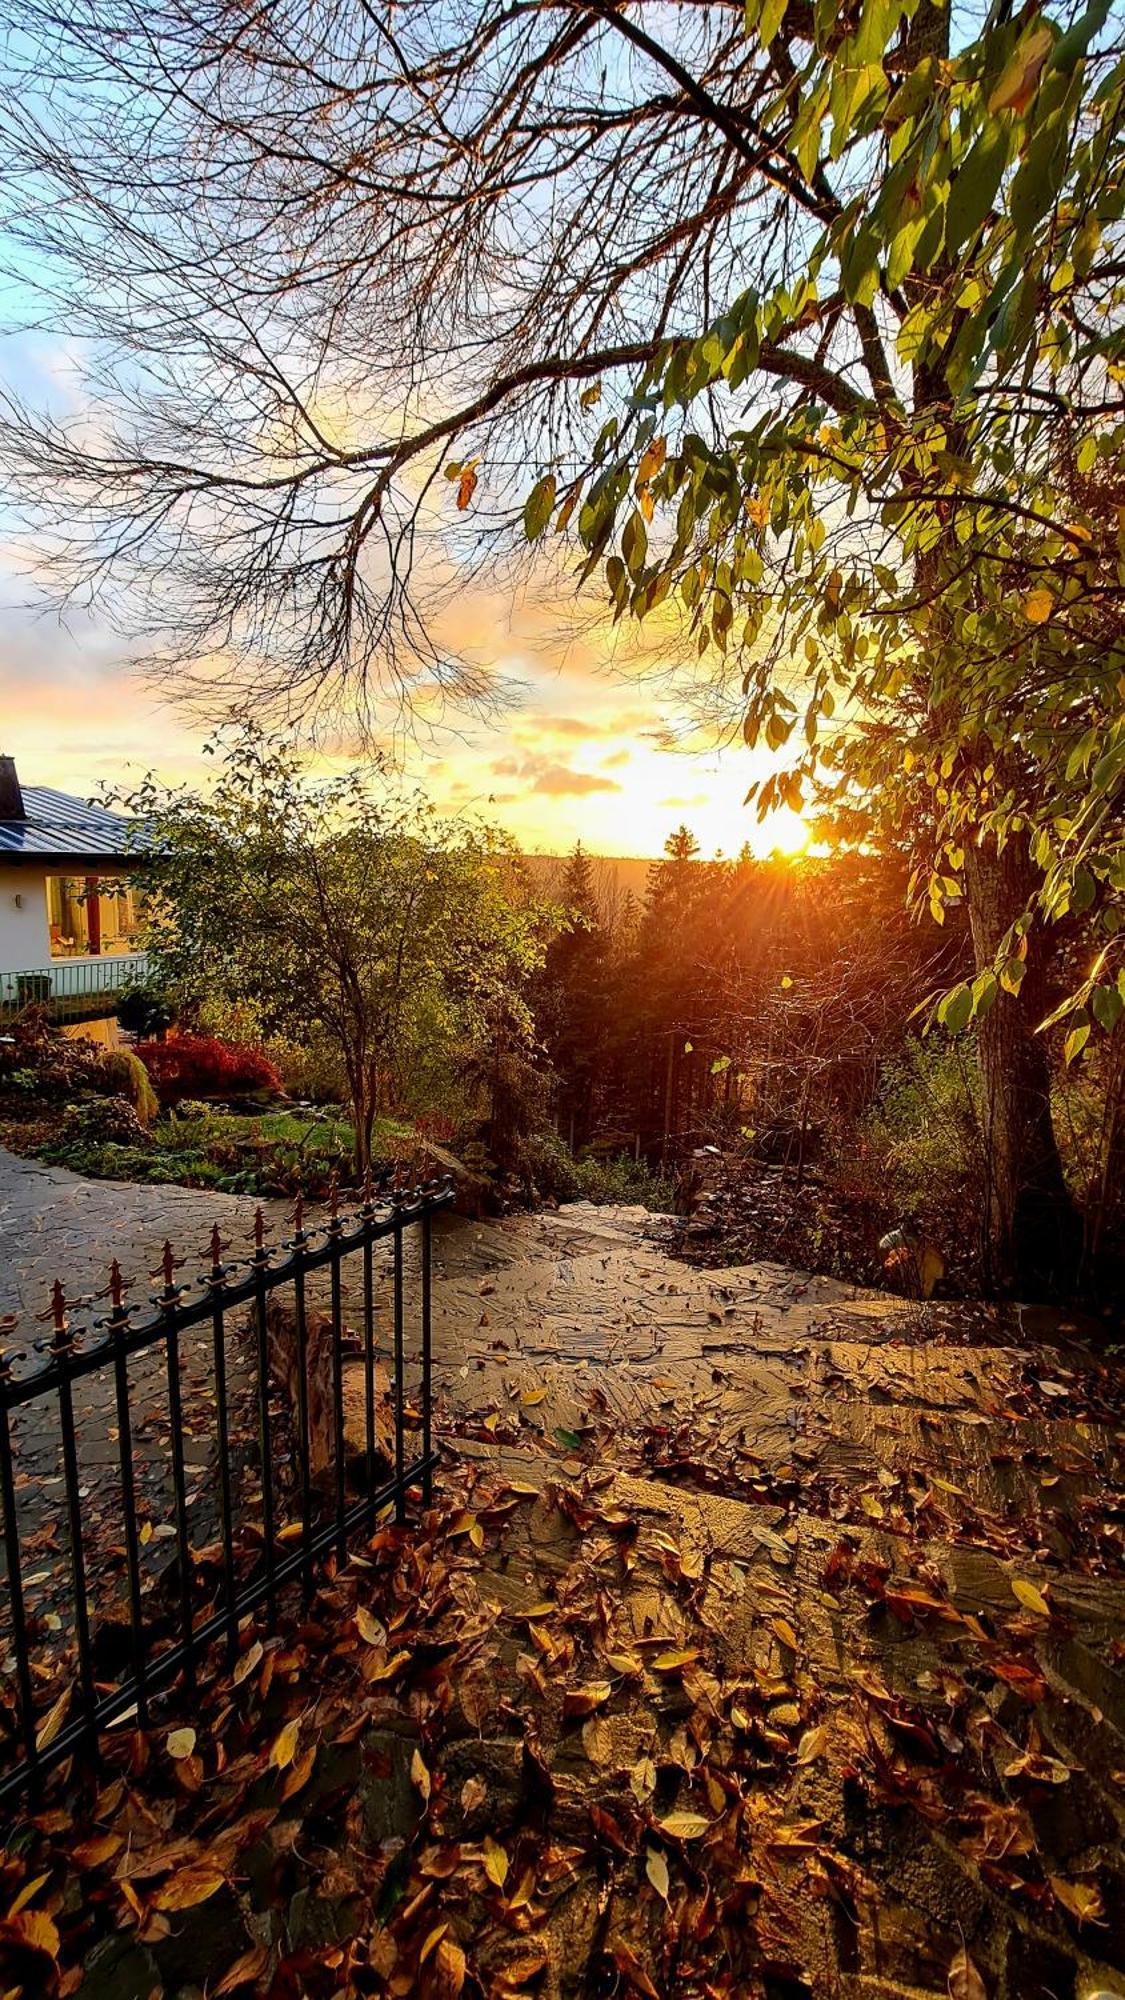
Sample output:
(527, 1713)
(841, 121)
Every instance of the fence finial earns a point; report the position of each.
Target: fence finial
(58, 1311)
(116, 1287)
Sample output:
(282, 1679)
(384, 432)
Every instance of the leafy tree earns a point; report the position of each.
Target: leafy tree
(341, 910)
(838, 387)
(574, 1002)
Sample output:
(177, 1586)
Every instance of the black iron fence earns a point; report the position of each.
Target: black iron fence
(283, 1431)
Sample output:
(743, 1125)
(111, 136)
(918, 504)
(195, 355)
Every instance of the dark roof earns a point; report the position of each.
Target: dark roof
(57, 827)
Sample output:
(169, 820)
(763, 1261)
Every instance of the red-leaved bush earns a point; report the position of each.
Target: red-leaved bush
(203, 1066)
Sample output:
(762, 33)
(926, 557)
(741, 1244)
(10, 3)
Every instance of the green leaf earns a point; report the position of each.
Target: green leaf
(1076, 1042)
(976, 185)
(955, 1010)
(1108, 1007)
(538, 507)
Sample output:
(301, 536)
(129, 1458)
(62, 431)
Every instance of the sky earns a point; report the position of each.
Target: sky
(587, 744)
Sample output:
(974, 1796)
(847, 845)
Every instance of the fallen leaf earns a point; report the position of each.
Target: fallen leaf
(584, 1700)
(495, 1861)
(684, 1825)
(812, 1745)
(1031, 1599)
(285, 1745)
(180, 1743)
(187, 1887)
(419, 1775)
(656, 1868)
(964, 1981)
(370, 1630)
(53, 1721)
(1082, 1899)
(250, 1966)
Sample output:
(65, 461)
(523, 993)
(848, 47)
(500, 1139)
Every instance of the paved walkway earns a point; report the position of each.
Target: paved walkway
(828, 1497)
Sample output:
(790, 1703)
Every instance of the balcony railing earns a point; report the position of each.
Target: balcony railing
(73, 989)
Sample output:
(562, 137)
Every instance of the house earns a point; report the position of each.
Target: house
(68, 907)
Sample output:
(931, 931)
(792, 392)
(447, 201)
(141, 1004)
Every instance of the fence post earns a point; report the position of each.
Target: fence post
(118, 1328)
(261, 1260)
(216, 1280)
(400, 1365)
(298, 1244)
(168, 1302)
(15, 1575)
(367, 1214)
(62, 1348)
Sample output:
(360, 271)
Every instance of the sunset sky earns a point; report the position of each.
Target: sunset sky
(585, 742)
(576, 752)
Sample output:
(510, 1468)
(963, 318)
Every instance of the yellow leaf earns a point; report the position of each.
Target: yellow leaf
(180, 1742)
(495, 1861)
(187, 1887)
(28, 1893)
(533, 1396)
(525, 1892)
(247, 1663)
(432, 1942)
(285, 1745)
(656, 1868)
(369, 1628)
(36, 1930)
(584, 1700)
(684, 1825)
(786, 1634)
(812, 1745)
(419, 1776)
(1029, 1597)
(1082, 1899)
(53, 1721)
(1038, 606)
(671, 1663)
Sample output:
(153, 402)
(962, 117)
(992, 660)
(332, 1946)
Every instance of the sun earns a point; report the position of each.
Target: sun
(781, 832)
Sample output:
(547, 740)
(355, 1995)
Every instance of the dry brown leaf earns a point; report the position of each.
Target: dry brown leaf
(684, 1825)
(52, 1721)
(964, 1981)
(656, 1868)
(187, 1887)
(449, 1970)
(250, 1966)
(1082, 1899)
(370, 1630)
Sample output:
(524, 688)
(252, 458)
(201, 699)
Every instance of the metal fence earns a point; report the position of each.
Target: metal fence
(89, 1640)
(73, 989)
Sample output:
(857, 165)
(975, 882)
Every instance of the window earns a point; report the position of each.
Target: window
(90, 916)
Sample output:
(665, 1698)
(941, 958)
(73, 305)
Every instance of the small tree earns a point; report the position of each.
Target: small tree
(341, 909)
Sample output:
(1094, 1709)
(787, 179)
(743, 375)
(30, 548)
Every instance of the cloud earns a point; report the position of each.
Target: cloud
(615, 761)
(559, 781)
(693, 799)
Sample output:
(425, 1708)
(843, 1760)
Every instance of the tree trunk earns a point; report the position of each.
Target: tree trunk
(1034, 1232)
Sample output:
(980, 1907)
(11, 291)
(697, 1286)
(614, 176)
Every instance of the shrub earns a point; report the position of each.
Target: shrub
(202, 1066)
(130, 1080)
(100, 1121)
(144, 1010)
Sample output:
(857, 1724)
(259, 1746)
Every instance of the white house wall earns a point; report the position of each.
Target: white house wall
(25, 940)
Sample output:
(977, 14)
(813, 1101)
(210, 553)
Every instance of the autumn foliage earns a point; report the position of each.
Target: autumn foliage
(204, 1066)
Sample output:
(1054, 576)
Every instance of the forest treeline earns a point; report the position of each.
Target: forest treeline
(760, 1025)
